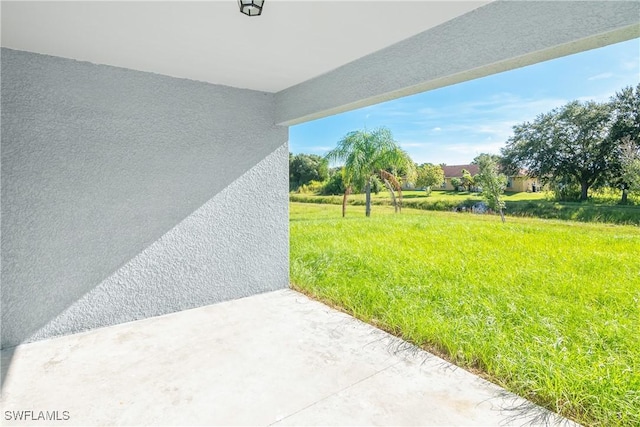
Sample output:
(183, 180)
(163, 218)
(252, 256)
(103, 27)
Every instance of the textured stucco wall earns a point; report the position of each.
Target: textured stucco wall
(500, 36)
(128, 194)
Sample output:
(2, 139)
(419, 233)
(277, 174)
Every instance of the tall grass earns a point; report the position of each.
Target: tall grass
(550, 310)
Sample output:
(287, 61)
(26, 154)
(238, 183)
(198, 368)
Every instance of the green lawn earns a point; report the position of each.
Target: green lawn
(548, 309)
(600, 209)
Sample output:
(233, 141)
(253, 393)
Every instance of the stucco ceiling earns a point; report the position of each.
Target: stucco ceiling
(292, 41)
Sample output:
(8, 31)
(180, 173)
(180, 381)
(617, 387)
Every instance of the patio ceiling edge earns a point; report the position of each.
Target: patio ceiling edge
(500, 36)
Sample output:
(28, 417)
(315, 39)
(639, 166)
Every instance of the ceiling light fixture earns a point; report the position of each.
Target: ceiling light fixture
(251, 7)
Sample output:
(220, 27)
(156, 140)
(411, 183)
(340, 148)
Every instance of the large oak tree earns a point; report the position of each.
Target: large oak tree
(571, 144)
(625, 132)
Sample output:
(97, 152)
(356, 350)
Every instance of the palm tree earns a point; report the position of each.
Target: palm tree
(367, 155)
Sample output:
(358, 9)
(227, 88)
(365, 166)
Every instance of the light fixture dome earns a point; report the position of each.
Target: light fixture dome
(251, 7)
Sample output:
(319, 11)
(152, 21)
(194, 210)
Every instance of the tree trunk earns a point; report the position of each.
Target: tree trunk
(392, 194)
(502, 216)
(625, 195)
(367, 190)
(392, 184)
(347, 191)
(584, 187)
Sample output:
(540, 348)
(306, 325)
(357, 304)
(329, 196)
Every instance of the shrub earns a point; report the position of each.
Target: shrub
(313, 187)
(456, 183)
(565, 189)
(334, 186)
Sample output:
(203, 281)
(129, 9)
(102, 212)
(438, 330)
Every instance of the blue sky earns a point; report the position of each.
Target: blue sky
(454, 124)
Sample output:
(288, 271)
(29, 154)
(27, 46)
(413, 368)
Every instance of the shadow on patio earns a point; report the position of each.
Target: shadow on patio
(276, 358)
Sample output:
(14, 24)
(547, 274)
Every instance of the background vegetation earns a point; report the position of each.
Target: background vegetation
(602, 208)
(576, 150)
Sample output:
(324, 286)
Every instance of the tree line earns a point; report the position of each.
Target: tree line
(572, 149)
(311, 173)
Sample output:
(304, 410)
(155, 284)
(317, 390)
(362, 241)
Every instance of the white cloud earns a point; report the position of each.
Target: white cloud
(504, 106)
(455, 134)
(473, 149)
(319, 148)
(631, 64)
(600, 97)
(601, 76)
(448, 151)
(412, 144)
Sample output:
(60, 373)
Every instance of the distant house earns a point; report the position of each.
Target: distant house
(515, 183)
(522, 182)
(455, 171)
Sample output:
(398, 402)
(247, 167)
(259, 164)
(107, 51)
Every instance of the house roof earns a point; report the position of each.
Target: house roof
(456, 170)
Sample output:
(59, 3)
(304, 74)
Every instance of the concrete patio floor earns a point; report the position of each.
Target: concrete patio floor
(272, 359)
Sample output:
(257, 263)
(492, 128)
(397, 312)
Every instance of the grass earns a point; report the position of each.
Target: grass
(547, 309)
(517, 204)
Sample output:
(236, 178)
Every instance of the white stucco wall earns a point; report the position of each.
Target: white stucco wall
(128, 194)
(499, 36)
